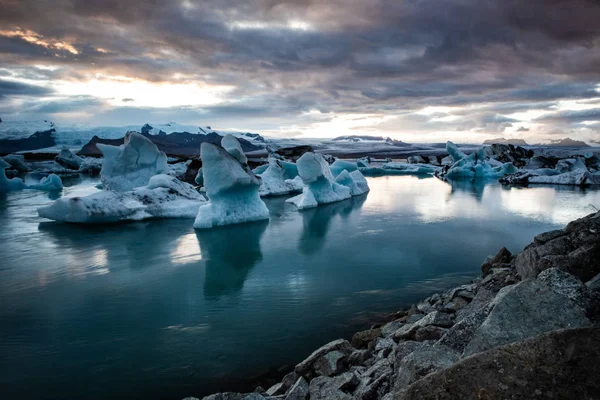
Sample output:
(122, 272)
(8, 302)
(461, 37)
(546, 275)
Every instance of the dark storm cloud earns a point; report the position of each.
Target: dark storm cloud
(288, 57)
(18, 89)
(572, 116)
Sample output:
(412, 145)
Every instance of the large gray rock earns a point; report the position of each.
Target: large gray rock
(337, 388)
(404, 349)
(436, 318)
(567, 285)
(375, 382)
(563, 364)
(524, 310)
(423, 361)
(307, 367)
(363, 338)
(575, 249)
(331, 363)
(299, 391)
(462, 332)
(502, 257)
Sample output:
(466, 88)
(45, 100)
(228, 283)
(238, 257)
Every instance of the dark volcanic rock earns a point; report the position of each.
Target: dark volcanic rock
(90, 149)
(38, 140)
(294, 153)
(563, 364)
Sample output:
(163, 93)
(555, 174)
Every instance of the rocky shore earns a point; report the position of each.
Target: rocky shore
(528, 328)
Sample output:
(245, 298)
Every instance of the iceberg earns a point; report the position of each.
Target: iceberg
(67, 159)
(473, 165)
(321, 187)
(231, 187)
(355, 181)
(274, 182)
(17, 161)
(164, 197)
(339, 165)
(132, 164)
(50, 183)
(9, 184)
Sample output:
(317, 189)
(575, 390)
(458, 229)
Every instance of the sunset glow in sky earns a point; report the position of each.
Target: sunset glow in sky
(417, 70)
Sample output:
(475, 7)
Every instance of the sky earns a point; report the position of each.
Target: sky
(414, 70)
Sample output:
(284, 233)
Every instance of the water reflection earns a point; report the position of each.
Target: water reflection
(230, 252)
(474, 187)
(316, 222)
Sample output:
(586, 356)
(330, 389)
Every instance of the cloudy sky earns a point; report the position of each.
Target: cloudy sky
(417, 70)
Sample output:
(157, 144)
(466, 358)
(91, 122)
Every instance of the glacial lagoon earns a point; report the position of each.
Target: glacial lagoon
(156, 310)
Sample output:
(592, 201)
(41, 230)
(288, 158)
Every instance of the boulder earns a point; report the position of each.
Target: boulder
(337, 388)
(567, 285)
(520, 311)
(563, 364)
(299, 391)
(423, 361)
(362, 339)
(307, 367)
(576, 249)
(503, 256)
(458, 336)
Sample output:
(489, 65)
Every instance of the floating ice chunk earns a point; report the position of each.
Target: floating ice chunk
(402, 168)
(67, 159)
(17, 161)
(474, 165)
(91, 166)
(231, 187)
(50, 183)
(578, 177)
(321, 187)
(454, 152)
(340, 165)
(363, 162)
(274, 182)
(233, 147)
(570, 164)
(178, 169)
(164, 197)
(199, 179)
(9, 184)
(354, 180)
(260, 169)
(131, 164)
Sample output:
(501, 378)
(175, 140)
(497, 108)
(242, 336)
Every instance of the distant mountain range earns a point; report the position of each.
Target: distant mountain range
(515, 142)
(566, 142)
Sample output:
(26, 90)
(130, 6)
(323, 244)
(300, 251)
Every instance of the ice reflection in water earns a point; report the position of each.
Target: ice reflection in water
(156, 310)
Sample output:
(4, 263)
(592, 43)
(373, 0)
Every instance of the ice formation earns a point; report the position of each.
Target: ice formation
(399, 168)
(321, 187)
(340, 165)
(164, 197)
(50, 183)
(132, 164)
(17, 161)
(274, 182)
(474, 165)
(569, 171)
(231, 187)
(355, 181)
(67, 159)
(9, 184)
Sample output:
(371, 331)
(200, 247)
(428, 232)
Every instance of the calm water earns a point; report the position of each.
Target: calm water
(156, 310)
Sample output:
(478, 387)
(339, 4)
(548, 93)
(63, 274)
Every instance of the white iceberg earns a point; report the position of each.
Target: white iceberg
(274, 182)
(321, 187)
(164, 197)
(132, 164)
(68, 159)
(231, 187)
